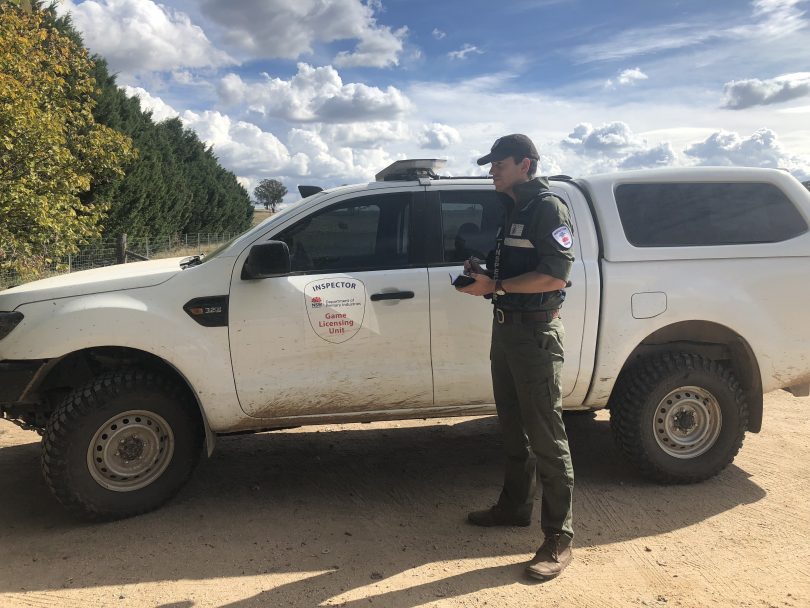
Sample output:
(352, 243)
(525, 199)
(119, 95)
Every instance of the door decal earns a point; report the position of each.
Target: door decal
(336, 307)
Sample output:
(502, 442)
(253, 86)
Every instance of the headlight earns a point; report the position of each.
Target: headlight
(8, 321)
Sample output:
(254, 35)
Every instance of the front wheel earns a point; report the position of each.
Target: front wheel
(122, 445)
(679, 417)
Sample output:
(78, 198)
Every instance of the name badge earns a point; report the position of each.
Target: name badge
(516, 230)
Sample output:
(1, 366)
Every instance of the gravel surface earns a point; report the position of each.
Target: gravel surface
(374, 515)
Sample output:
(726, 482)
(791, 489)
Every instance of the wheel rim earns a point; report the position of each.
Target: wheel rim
(687, 422)
(130, 450)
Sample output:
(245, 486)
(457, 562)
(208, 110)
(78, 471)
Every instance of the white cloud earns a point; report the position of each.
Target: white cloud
(631, 76)
(627, 77)
(365, 134)
(309, 143)
(768, 19)
(149, 103)
(729, 148)
(137, 36)
(661, 155)
(438, 136)
(779, 17)
(359, 102)
(333, 162)
(464, 51)
(761, 149)
(438, 34)
(321, 154)
(188, 78)
(314, 95)
(288, 29)
(549, 165)
(742, 94)
(796, 110)
(243, 146)
(378, 48)
(232, 89)
(613, 146)
(613, 139)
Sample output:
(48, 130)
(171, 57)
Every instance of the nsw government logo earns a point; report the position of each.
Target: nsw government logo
(316, 302)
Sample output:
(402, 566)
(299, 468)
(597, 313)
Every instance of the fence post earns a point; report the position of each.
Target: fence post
(121, 249)
(70, 263)
(147, 246)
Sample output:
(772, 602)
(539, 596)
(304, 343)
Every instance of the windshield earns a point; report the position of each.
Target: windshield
(258, 227)
(219, 249)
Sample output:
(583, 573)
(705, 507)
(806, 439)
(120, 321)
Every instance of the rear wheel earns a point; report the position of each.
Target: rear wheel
(122, 445)
(679, 417)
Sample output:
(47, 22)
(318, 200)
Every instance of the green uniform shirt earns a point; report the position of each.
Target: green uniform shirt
(537, 236)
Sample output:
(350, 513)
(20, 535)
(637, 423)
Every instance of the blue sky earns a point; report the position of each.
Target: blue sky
(331, 91)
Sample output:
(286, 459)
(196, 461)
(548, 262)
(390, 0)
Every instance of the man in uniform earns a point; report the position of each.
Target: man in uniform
(526, 280)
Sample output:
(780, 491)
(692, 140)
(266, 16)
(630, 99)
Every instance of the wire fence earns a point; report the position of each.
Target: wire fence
(131, 249)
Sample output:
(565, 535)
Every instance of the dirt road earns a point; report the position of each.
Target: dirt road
(373, 515)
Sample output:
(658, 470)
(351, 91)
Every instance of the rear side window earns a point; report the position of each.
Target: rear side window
(684, 214)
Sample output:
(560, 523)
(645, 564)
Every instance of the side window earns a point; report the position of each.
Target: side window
(693, 214)
(470, 222)
(364, 233)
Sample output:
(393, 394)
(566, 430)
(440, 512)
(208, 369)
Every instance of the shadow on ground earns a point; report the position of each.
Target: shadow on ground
(343, 509)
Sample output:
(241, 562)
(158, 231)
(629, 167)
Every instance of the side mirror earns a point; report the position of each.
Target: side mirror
(270, 259)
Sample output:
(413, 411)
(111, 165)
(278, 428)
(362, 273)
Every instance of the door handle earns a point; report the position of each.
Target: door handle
(391, 295)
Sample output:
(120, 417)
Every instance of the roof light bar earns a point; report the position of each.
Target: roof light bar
(411, 169)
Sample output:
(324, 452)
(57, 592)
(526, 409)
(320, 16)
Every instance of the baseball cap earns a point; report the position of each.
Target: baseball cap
(516, 144)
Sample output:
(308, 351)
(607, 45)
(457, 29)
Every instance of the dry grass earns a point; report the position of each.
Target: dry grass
(259, 215)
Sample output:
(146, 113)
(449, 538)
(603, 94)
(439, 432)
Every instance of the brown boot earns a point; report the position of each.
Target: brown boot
(496, 516)
(551, 558)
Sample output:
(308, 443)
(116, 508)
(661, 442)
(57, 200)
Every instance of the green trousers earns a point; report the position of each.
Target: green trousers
(527, 360)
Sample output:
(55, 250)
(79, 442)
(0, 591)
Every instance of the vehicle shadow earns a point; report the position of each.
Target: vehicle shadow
(340, 510)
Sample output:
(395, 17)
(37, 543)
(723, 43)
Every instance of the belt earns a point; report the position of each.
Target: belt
(515, 316)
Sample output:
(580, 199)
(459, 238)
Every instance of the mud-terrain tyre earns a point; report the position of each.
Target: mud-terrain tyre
(121, 445)
(679, 417)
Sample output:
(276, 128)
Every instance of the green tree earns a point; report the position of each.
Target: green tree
(177, 185)
(270, 192)
(52, 151)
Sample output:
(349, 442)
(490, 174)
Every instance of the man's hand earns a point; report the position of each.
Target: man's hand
(474, 265)
(483, 285)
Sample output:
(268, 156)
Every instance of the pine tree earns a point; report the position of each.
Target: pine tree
(176, 185)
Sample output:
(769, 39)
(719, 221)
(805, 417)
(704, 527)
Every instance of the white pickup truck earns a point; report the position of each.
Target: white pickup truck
(688, 302)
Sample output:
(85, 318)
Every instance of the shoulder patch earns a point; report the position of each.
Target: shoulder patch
(563, 236)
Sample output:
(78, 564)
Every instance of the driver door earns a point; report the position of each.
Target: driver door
(348, 329)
